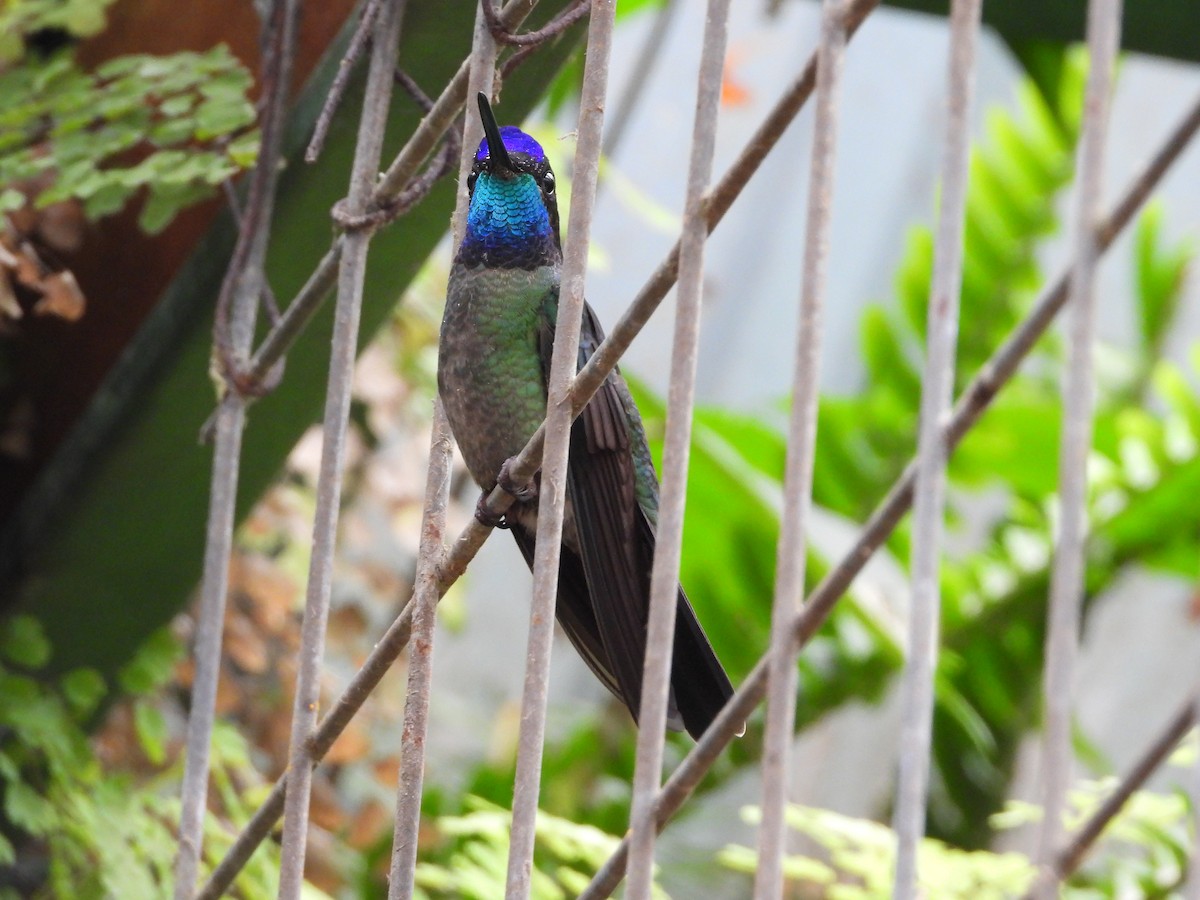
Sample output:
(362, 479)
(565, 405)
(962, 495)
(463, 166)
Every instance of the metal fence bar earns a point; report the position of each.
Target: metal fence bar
(664, 576)
(1068, 860)
(246, 280)
(1066, 586)
(792, 551)
(1192, 887)
(333, 451)
(552, 491)
(937, 388)
(420, 664)
(975, 398)
(426, 593)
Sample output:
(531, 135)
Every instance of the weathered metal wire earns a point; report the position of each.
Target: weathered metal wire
(559, 414)
(426, 591)
(333, 448)
(664, 576)
(937, 386)
(244, 284)
(420, 664)
(792, 550)
(1066, 586)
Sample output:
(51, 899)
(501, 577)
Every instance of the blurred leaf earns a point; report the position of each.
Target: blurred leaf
(23, 642)
(83, 689)
(87, 131)
(1159, 273)
(152, 665)
(151, 731)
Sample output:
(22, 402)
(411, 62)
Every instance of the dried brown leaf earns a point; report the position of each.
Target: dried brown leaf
(9, 307)
(61, 297)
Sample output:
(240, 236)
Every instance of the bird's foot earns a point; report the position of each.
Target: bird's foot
(484, 515)
(523, 492)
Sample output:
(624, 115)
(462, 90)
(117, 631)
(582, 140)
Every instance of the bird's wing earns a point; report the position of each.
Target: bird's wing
(600, 489)
(574, 610)
(614, 506)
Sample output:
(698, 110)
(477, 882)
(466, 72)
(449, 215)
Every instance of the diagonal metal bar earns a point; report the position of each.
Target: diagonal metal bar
(333, 449)
(1067, 860)
(970, 406)
(1066, 586)
(791, 553)
(937, 388)
(420, 664)
(552, 492)
(664, 576)
(245, 282)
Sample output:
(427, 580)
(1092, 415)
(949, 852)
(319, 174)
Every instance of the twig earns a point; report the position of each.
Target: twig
(937, 389)
(502, 34)
(1066, 585)
(333, 99)
(552, 492)
(333, 451)
(791, 553)
(664, 576)
(234, 332)
(423, 100)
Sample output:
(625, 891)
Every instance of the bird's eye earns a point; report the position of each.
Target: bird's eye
(548, 182)
(471, 182)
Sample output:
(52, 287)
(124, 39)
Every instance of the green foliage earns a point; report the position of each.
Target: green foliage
(1160, 272)
(78, 18)
(175, 126)
(1144, 850)
(104, 834)
(861, 861)
(474, 863)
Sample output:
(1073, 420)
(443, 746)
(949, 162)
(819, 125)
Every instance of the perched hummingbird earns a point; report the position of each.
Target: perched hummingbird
(493, 366)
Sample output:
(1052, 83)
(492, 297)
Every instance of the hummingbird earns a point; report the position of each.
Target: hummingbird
(494, 356)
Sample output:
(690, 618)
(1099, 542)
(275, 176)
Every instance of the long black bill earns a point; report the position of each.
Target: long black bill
(497, 152)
